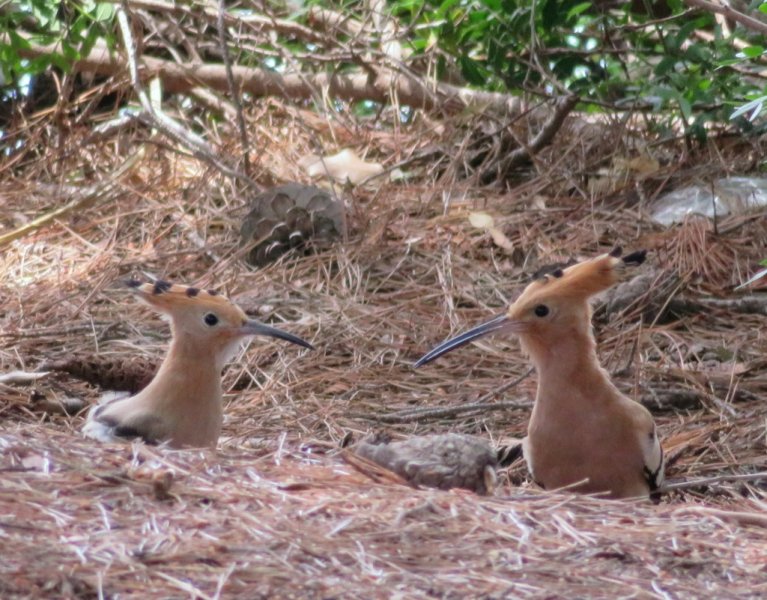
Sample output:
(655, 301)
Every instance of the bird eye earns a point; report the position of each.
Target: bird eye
(541, 310)
(210, 319)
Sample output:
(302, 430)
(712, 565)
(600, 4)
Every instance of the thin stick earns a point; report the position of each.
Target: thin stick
(747, 21)
(89, 195)
(562, 108)
(693, 483)
(232, 88)
(156, 118)
(417, 414)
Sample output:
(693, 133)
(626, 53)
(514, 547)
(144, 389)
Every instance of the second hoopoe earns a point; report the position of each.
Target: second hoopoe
(183, 403)
(583, 432)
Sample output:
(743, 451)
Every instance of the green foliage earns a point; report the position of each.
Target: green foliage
(755, 105)
(675, 64)
(74, 27)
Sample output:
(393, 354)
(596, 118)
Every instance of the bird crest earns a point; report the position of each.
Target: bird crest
(581, 280)
(169, 297)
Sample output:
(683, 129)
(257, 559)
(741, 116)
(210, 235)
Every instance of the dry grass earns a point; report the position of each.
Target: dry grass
(276, 511)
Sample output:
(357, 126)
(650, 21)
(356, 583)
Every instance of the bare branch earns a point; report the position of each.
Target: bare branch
(411, 90)
(747, 21)
(210, 13)
(235, 93)
(156, 118)
(563, 108)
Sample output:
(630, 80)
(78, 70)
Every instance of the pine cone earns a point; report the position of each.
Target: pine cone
(443, 461)
(290, 216)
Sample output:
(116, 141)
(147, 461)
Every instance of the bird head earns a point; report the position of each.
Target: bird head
(552, 306)
(203, 318)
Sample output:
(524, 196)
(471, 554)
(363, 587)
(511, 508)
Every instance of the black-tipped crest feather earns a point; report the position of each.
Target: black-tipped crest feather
(635, 258)
(161, 287)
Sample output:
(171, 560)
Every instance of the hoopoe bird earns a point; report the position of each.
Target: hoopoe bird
(583, 433)
(182, 405)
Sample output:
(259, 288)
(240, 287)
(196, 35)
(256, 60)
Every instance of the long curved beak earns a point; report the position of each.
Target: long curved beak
(253, 327)
(500, 322)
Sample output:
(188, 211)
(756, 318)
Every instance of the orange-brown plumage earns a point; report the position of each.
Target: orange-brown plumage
(583, 431)
(182, 405)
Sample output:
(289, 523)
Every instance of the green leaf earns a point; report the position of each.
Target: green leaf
(18, 42)
(683, 35)
(472, 71)
(37, 65)
(69, 52)
(698, 53)
(89, 41)
(578, 9)
(104, 12)
(665, 65)
(729, 62)
(752, 51)
(684, 106)
(444, 8)
(763, 8)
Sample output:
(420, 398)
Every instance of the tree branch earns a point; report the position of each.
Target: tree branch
(377, 86)
(155, 117)
(564, 107)
(210, 14)
(747, 21)
(235, 93)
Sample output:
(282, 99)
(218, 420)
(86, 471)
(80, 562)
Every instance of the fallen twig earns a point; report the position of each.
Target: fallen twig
(419, 414)
(235, 93)
(360, 85)
(88, 196)
(706, 481)
(563, 107)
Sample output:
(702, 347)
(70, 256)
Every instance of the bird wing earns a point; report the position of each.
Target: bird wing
(652, 453)
(107, 423)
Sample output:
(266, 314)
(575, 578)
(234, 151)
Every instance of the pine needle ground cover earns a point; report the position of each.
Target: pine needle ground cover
(280, 508)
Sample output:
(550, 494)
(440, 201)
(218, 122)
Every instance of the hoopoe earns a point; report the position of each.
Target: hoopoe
(182, 405)
(583, 432)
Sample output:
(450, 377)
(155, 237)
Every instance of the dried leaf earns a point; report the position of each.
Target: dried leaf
(21, 377)
(643, 165)
(500, 239)
(481, 220)
(344, 166)
(35, 462)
